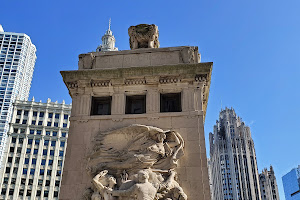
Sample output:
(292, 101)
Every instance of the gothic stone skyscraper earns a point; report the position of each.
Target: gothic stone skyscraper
(17, 60)
(234, 173)
(268, 185)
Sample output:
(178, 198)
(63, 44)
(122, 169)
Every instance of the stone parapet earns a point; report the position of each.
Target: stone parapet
(139, 58)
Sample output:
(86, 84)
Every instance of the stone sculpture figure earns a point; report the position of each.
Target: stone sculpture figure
(142, 158)
(143, 36)
(142, 190)
(104, 184)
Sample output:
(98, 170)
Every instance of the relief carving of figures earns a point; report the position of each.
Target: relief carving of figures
(143, 36)
(136, 162)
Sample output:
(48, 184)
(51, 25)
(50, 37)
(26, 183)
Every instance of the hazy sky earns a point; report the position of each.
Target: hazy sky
(254, 44)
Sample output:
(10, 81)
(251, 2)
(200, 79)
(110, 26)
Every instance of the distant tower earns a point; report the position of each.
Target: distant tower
(233, 169)
(108, 41)
(268, 185)
(17, 60)
(291, 184)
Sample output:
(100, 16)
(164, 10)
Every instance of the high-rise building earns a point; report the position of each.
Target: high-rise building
(234, 172)
(108, 41)
(291, 184)
(268, 185)
(17, 59)
(34, 154)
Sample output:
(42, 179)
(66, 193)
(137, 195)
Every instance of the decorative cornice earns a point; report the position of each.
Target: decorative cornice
(169, 79)
(141, 81)
(101, 83)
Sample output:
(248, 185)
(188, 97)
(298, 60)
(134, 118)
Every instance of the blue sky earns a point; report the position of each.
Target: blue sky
(255, 47)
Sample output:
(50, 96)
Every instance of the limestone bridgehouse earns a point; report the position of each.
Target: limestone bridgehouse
(136, 128)
(34, 154)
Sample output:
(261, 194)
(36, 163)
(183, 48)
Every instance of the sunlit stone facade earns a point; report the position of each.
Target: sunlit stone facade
(268, 185)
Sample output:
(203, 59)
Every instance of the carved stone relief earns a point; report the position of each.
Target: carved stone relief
(136, 162)
(143, 36)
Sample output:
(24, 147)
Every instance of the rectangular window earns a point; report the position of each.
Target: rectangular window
(48, 123)
(25, 171)
(19, 112)
(30, 141)
(33, 161)
(65, 125)
(40, 123)
(45, 152)
(42, 114)
(63, 134)
(42, 171)
(38, 132)
(54, 133)
(135, 104)
(51, 152)
(61, 153)
(170, 102)
(26, 112)
(32, 171)
(35, 151)
(101, 106)
(62, 144)
(66, 116)
(34, 114)
(7, 170)
(46, 142)
(47, 132)
(9, 159)
(13, 140)
(31, 131)
(43, 162)
(53, 143)
(49, 172)
(50, 162)
(56, 116)
(28, 150)
(37, 142)
(55, 124)
(26, 161)
(50, 115)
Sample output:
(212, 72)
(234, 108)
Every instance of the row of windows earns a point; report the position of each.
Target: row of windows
(40, 123)
(21, 192)
(136, 104)
(41, 114)
(37, 132)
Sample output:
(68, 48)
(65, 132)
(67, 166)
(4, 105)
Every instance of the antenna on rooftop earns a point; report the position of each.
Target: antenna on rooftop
(109, 23)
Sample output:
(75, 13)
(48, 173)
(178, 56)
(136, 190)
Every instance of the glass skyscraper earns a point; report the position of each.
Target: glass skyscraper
(17, 60)
(291, 184)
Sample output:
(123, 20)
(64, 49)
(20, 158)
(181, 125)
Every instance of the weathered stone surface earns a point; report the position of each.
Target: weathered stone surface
(149, 72)
(139, 58)
(143, 36)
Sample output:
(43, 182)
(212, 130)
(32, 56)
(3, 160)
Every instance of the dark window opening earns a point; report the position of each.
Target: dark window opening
(170, 102)
(101, 106)
(135, 104)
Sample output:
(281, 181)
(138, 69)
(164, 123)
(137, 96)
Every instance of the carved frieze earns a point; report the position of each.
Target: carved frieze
(100, 83)
(169, 79)
(140, 81)
(135, 162)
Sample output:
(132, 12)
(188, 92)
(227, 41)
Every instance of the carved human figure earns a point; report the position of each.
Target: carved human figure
(142, 190)
(103, 184)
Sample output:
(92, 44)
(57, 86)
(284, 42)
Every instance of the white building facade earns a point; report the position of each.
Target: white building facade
(34, 154)
(17, 60)
(268, 185)
(233, 169)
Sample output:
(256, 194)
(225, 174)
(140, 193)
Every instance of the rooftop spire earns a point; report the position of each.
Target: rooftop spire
(108, 41)
(109, 24)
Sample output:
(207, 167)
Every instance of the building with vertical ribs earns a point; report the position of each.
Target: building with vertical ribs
(234, 173)
(268, 185)
(34, 155)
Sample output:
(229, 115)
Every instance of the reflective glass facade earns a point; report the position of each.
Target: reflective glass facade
(291, 184)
